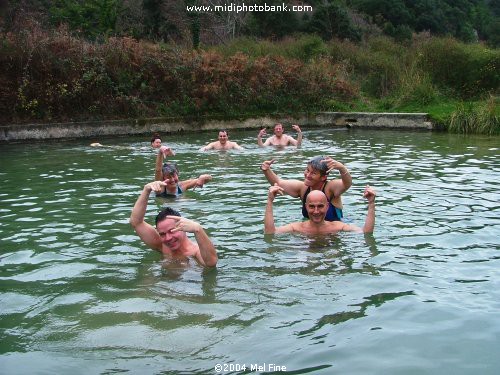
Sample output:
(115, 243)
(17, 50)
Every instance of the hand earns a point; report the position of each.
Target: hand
(267, 165)
(369, 194)
(202, 179)
(296, 128)
(185, 225)
(332, 164)
(156, 186)
(262, 132)
(274, 191)
(166, 151)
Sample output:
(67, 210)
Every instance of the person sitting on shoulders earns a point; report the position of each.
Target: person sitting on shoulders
(280, 139)
(317, 207)
(315, 178)
(222, 144)
(169, 237)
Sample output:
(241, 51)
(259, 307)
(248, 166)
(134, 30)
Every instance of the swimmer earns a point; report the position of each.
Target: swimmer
(280, 139)
(172, 187)
(156, 144)
(222, 144)
(315, 178)
(317, 207)
(169, 237)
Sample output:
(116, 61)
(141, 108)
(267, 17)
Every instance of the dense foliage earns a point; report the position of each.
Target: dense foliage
(170, 20)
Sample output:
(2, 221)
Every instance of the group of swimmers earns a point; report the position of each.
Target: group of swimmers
(321, 200)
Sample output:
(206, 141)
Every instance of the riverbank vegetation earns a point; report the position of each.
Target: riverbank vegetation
(52, 75)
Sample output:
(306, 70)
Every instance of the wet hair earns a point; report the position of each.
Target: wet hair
(169, 169)
(155, 137)
(162, 215)
(319, 165)
(224, 131)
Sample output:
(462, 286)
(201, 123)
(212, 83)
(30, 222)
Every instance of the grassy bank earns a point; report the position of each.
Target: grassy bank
(52, 76)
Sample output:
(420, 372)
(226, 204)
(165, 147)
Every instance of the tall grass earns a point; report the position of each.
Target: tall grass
(481, 118)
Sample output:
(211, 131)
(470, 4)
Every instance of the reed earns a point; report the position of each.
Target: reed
(470, 118)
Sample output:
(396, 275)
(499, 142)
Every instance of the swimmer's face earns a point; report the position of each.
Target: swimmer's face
(278, 129)
(172, 240)
(222, 137)
(171, 179)
(156, 143)
(312, 176)
(316, 206)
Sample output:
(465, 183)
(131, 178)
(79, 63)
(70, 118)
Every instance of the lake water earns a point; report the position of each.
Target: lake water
(81, 294)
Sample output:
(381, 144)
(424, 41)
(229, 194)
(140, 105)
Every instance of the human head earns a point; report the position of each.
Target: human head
(319, 164)
(170, 173)
(316, 206)
(164, 225)
(167, 211)
(278, 129)
(316, 171)
(156, 141)
(223, 136)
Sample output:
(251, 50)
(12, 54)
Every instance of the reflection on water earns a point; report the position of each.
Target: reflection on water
(80, 291)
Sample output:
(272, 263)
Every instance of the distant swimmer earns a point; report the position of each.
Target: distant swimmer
(222, 144)
(280, 139)
(169, 237)
(317, 206)
(156, 144)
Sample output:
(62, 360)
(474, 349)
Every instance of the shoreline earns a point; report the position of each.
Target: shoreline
(91, 129)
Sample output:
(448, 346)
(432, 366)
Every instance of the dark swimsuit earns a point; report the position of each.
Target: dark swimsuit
(333, 213)
(166, 194)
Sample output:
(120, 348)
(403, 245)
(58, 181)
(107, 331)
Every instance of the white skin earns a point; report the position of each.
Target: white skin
(317, 207)
(280, 139)
(172, 180)
(165, 150)
(223, 143)
(313, 178)
(170, 237)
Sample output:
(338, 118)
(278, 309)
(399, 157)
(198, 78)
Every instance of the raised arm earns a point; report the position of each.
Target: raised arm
(207, 255)
(338, 186)
(145, 231)
(195, 182)
(297, 142)
(262, 132)
(269, 226)
(291, 187)
(370, 195)
(158, 166)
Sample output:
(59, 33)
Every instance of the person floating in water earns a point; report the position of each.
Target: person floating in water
(280, 139)
(156, 144)
(222, 144)
(315, 178)
(169, 237)
(317, 207)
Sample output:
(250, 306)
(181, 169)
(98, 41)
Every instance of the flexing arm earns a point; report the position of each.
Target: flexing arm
(195, 182)
(146, 232)
(339, 186)
(291, 187)
(262, 132)
(207, 254)
(297, 142)
(269, 227)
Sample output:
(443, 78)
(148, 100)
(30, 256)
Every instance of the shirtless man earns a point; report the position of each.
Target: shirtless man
(315, 178)
(170, 236)
(280, 139)
(222, 144)
(317, 206)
